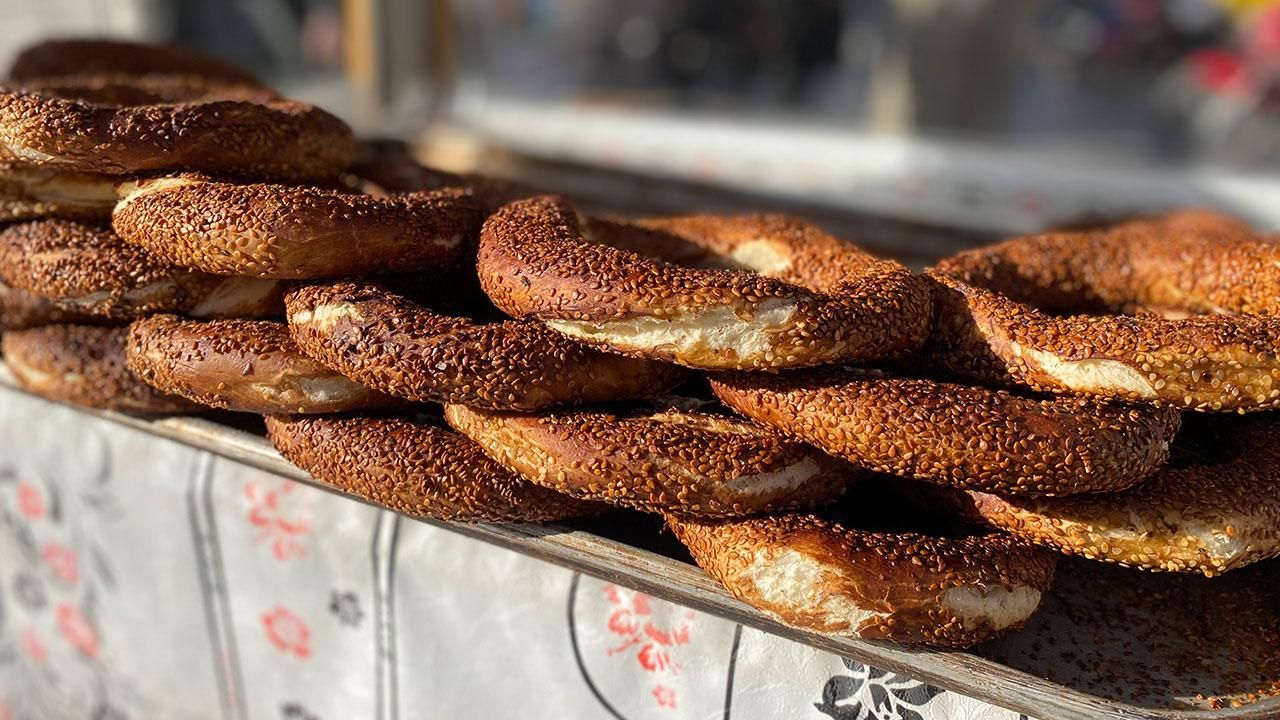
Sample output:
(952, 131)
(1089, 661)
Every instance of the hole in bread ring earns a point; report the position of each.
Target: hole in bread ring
(84, 365)
(20, 310)
(54, 58)
(281, 231)
(1182, 313)
(159, 89)
(1213, 508)
(806, 299)
(241, 365)
(689, 463)
(958, 435)
(813, 574)
(89, 270)
(416, 469)
(120, 125)
(387, 167)
(391, 344)
(30, 192)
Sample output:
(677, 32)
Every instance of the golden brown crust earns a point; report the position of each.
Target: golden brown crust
(90, 270)
(30, 193)
(415, 469)
(907, 587)
(813, 299)
(1207, 363)
(1182, 311)
(1180, 264)
(84, 365)
(959, 435)
(391, 344)
(1156, 641)
(20, 310)
(119, 125)
(54, 58)
(687, 463)
(243, 365)
(278, 231)
(1215, 507)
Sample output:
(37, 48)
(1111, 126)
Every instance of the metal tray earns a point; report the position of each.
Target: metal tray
(1108, 642)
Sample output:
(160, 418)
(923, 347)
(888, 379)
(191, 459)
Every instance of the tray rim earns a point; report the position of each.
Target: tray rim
(679, 582)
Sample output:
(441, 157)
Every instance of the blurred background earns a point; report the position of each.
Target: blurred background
(985, 115)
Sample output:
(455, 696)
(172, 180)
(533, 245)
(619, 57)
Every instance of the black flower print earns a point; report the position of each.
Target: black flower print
(346, 606)
(106, 712)
(296, 711)
(29, 591)
(867, 693)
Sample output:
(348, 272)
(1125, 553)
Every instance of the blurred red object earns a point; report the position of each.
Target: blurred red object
(1220, 71)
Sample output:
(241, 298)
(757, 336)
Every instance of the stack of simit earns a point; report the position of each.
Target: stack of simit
(849, 446)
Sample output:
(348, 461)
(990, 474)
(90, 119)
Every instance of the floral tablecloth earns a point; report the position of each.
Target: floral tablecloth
(140, 578)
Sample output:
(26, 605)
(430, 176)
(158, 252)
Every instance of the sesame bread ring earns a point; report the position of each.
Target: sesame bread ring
(20, 310)
(1215, 507)
(958, 435)
(280, 231)
(688, 463)
(29, 193)
(808, 298)
(242, 365)
(415, 469)
(117, 126)
(84, 365)
(122, 89)
(90, 270)
(1179, 313)
(908, 587)
(54, 58)
(391, 344)
(1176, 265)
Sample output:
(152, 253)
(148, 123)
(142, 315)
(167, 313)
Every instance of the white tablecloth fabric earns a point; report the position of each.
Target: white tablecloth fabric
(143, 579)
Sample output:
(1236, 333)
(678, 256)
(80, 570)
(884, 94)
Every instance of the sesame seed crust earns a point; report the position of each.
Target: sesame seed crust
(30, 193)
(1183, 644)
(897, 581)
(20, 310)
(243, 365)
(1178, 264)
(1214, 508)
(1182, 311)
(54, 58)
(959, 435)
(1205, 363)
(84, 365)
(88, 269)
(118, 126)
(280, 231)
(415, 469)
(386, 342)
(687, 463)
(815, 300)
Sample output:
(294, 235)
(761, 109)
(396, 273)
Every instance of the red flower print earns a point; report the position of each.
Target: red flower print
(281, 519)
(77, 629)
(34, 646)
(62, 560)
(30, 502)
(287, 632)
(633, 621)
(665, 696)
(5, 712)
